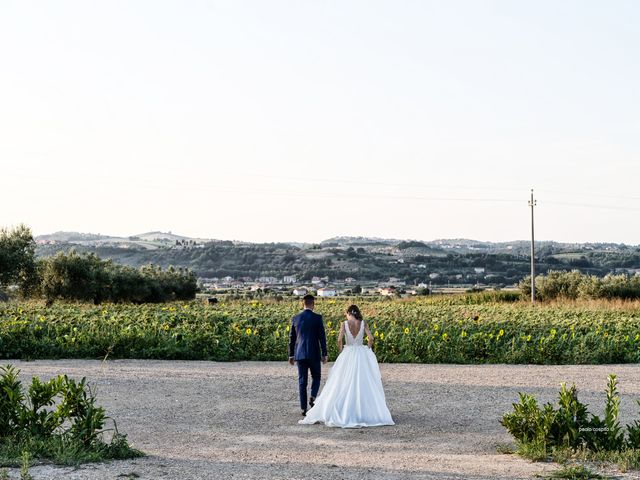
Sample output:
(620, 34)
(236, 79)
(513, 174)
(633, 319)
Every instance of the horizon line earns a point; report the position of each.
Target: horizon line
(340, 237)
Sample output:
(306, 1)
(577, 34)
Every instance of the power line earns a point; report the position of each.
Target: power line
(386, 184)
(592, 205)
(590, 194)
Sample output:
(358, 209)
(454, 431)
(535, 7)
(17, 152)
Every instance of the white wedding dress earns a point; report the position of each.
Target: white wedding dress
(353, 396)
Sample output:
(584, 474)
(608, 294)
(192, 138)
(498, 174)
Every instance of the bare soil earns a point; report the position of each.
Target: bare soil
(207, 420)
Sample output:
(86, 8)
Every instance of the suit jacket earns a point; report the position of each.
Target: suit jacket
(307, 339)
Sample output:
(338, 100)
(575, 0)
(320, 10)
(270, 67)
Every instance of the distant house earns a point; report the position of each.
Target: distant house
(300, 291)
(327, 292)
(479, 270)
(316, 280)
(350, 280)
(388, 291)
(289, 279)
(433, 276)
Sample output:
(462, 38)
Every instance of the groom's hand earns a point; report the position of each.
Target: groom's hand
(325, 359)
(291, 361)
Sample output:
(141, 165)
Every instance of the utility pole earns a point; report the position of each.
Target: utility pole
(532, 203)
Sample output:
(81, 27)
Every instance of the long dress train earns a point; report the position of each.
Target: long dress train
(353, 396)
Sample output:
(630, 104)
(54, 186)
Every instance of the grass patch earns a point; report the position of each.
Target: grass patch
(536, 451)
(575, 472)
(626, 460)
(505, 449)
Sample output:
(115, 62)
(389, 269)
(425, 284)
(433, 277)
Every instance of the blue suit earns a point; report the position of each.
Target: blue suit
(307, 346)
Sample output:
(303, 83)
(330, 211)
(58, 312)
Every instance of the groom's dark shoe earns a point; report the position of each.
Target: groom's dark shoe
(312, 401)
(304, 412)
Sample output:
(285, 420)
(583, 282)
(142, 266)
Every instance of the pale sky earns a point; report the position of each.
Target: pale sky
(302, 120)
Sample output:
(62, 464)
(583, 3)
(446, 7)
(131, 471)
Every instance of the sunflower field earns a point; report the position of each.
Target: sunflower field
(418, 330)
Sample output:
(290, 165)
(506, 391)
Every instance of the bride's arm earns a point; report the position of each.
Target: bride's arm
(340, 337)
(369, 336)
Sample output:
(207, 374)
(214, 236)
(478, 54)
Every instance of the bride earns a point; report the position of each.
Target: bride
(353, 395)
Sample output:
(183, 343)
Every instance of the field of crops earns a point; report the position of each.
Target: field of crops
(429, 329)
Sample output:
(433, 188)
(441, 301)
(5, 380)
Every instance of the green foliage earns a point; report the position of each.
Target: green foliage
(575, 285)
(56, 420)
(571, 417)
(17, 259)
(524, 422)
(433, 329)
(575, 472)
(24, 467)
(614, 433)
(505, 448)
(535, 450)
(570, 428)
(70, 276)
(633, 432)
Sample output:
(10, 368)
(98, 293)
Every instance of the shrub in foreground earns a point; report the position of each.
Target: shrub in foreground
(57, 420)
(571, 430)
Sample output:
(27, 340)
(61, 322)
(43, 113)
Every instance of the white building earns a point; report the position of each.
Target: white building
(327, 292)
(300, 291)
(479, 270)
(289, 279)
(267, 280)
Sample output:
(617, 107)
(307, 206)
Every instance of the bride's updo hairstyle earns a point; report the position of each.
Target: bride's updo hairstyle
(355, 311)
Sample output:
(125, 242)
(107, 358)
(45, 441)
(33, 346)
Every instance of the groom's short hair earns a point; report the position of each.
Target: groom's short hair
(308, 299)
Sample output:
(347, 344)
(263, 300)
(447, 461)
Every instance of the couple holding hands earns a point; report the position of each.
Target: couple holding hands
(353, 396)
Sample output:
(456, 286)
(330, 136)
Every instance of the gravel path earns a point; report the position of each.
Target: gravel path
(206, 420)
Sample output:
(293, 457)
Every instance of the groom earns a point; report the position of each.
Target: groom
(306, 340)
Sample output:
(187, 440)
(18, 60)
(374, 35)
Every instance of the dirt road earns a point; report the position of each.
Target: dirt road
(206, 420)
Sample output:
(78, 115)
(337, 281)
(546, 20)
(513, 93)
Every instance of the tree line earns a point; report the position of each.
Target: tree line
(85, 277)
(574, 285)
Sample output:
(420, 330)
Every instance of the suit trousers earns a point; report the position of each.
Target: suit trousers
(303, 378)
